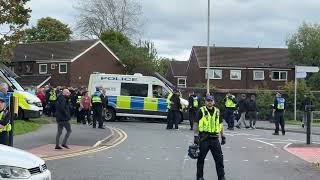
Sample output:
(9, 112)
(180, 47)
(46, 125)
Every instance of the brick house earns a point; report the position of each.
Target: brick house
(176, 73)
(63, 63)
(239, 68)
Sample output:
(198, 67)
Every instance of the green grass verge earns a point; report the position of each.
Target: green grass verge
(298, 123)
(26, 126)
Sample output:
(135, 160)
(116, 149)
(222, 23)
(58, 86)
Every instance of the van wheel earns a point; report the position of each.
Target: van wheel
(110, 114)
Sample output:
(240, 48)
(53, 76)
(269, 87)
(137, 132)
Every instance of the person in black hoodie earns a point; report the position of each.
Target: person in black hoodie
(242, 109)
(63, 117)
(252, 111)
(175, 110)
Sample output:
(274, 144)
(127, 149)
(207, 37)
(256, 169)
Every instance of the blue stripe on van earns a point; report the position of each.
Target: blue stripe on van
(137, 103)
(112, 101)
(162, 105)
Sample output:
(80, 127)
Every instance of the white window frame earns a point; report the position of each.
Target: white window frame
(185, 82)
(279, 76)
(254, 75)
(237, 71)
(53, 66)
(60, 64)
(43, 72)
(211, 73)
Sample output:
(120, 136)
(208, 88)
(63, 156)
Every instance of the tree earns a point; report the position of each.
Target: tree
(303, 48)
(48, 29)
(97, 16)
(13, 17)
(137, 57)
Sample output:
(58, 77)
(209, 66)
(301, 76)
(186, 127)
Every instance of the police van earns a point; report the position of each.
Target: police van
(29, 105)
(133, 95)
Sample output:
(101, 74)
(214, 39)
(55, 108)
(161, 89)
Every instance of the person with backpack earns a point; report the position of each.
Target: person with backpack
(193, 108)
(85, 106)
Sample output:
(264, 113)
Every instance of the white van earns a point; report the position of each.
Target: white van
(18, 164)
(30, 105)
(133, 95)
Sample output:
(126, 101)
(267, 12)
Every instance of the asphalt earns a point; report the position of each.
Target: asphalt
(82, 135)
(152, 153)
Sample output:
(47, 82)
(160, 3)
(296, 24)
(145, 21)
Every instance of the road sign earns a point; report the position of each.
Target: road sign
(301, 75)
(311, 69)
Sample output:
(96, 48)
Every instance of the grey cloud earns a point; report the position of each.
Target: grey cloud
(176, 25)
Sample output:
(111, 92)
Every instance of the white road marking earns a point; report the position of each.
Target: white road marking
(261, 141)
(245, 160)
(206, 159)
(226, 160)
(276, 156)
(260, 147)
(109, 157)
(244, 147)
(285, 161)
(186, 159)
(128, 158)
(228, 147)
(167, 159)
(178, 147)
(148, 158)
(266, 160)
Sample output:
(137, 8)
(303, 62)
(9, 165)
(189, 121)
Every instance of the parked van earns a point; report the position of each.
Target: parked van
(133, 95)
(30, 105)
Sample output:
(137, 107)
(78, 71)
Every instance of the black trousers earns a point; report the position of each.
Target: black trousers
(4, 138)
(192, 117)
(67, 126)
(78, 113)
(97, 116)
(85, 114)
(52, 108)
(214, 146)
(229, 117)
(174, 117)
(279, 119)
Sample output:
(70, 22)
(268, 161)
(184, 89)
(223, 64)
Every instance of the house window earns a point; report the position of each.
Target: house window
(42, 68)
(214, 74)
(279, 75)
(63, 68)
(182, 82)
(134, 89)
(53, 66)
(258, 75)
(235, 74)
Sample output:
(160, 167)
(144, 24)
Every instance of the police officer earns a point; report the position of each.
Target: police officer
(51, 98)
(207, 128)
(230, 106)
(5, 126)
(98, 103)
(174, 106)
(193, 108)
(278, 113)
(77, 106)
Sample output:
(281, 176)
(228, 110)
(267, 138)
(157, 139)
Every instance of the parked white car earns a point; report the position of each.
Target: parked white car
(17, 164)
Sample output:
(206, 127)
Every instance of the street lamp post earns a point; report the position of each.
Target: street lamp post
(208, 50)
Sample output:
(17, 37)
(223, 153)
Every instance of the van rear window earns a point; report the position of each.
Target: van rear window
(133, 89)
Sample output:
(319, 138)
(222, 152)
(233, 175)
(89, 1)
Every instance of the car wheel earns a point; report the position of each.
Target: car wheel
(109, 114)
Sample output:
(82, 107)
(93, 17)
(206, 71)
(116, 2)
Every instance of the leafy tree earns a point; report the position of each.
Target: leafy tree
(264, 100)
(302, 89)
(137, 57)
(303, 47)
(13, 17)
(48, 29)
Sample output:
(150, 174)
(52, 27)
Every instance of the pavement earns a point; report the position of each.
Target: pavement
(289, 128)
(152, 153)
(42, 141)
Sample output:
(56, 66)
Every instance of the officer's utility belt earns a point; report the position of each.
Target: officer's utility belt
(204, 136)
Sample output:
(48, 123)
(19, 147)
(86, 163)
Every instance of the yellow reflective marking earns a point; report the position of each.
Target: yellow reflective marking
(150, 104)
(123, 102)
(21, 100)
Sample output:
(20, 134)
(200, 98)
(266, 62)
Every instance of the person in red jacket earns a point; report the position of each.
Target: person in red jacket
(40, 94)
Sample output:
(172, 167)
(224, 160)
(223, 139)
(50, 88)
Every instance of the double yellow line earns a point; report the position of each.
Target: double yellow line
(122, 137)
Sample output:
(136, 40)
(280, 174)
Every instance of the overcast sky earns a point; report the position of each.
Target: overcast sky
(177, 25)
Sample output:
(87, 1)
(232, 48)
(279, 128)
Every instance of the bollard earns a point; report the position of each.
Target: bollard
(309, 109)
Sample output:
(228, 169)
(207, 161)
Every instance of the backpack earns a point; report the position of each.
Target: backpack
(86, 103)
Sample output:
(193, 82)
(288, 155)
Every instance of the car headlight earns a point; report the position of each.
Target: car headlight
(14, 172)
